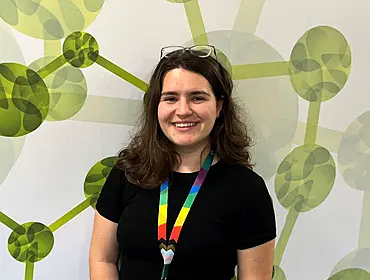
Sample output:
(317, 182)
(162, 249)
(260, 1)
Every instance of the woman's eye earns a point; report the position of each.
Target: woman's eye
(170, 99)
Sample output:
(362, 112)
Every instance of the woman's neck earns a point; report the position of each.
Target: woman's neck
(190, 158)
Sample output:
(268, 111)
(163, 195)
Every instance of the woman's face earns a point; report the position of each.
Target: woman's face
(187, 109)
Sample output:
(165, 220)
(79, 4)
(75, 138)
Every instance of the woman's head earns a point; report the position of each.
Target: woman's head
(186, 95)
(187, 109)
(188, 105)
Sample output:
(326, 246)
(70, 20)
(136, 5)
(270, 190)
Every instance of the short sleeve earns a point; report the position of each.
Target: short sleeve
(256, 222)
(110, 202)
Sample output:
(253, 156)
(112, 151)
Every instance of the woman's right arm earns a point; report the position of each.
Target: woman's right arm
(104, 250)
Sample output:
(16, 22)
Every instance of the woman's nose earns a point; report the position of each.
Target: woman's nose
(183, 108)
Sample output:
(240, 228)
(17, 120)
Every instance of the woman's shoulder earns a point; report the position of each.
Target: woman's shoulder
(115, 194)
(237, 170)
(116, 181)
(239, 176)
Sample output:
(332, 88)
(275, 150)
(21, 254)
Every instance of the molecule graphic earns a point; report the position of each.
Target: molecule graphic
(318, 69)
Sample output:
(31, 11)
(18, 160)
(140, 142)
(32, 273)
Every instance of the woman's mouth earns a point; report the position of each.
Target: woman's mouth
(183, 126)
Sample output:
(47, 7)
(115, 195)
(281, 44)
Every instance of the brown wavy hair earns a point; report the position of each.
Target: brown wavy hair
(150, 157)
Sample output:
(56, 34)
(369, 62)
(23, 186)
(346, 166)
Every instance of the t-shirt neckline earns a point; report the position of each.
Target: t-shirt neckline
(177, 173)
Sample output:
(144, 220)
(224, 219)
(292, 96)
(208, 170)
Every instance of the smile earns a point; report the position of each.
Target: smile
(180, 125)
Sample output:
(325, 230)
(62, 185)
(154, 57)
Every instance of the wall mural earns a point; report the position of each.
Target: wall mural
(53, 88)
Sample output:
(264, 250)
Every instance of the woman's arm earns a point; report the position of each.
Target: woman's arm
(256, 263)
(104, 250)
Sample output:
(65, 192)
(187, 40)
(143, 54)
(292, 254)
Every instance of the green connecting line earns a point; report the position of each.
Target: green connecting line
(248, 15)
(291, 219)
(326, 137)
(8, 221)
(29, 270)
(52, 66)
(364, 239)
(70, 215)
(260, 70)
(110, 66)
(107, 109)
(196, 23)
(285, 235)
(312, 122)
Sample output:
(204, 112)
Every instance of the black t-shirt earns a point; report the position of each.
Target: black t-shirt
(233, 210)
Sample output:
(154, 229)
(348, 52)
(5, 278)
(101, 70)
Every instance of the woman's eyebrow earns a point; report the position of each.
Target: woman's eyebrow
(192, 92)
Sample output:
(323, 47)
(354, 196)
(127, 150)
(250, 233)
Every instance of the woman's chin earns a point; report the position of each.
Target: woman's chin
(182, 144)
(189, 144)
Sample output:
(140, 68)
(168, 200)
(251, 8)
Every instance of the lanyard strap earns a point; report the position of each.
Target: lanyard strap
(168, 250)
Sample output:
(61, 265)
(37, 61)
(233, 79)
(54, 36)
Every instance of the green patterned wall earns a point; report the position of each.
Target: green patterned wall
(301, 159)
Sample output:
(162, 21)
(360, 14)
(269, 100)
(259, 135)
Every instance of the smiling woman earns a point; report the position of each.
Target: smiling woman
(187, 84)
(184, 187)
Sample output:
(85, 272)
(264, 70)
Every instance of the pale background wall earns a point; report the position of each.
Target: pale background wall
(42, 174)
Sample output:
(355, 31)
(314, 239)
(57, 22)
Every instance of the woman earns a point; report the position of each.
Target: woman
(183, 201)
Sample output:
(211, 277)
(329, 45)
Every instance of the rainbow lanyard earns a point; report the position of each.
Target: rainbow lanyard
(168, 251)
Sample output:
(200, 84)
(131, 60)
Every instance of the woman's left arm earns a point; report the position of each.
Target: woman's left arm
(256, 263)
(256, 232)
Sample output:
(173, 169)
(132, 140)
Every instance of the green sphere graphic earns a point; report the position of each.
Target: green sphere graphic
(10, 147)
(354, 153)
(278, 273)
(305, 178)
(24, 100)
(96, 178)
(67, 88)
(81, 49)
(357, 259)
(351, 274)
(50, 19)
(30, 242)
(320, 64)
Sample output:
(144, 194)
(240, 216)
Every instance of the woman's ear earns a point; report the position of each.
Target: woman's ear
(219, 104)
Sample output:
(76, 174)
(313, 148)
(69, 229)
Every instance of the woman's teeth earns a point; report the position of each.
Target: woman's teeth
(184, 124)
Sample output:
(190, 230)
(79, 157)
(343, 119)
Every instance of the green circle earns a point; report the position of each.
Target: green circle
(30, 242)
(67, 88)
(305, 178)
(49, 20)
(354, 153)
(274, 132)
(356, 259)
(96, 178)
(10, 148)
(81, 49)
(278, 273)
(320, 64)
(24, 100)
(351, 274)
